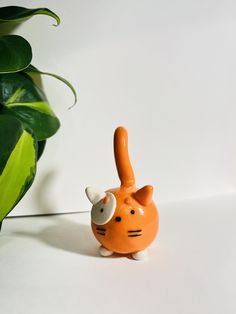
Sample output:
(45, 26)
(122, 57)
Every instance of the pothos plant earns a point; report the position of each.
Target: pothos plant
(26, 118)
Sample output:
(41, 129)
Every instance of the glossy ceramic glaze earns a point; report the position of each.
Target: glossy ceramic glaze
(124, 219)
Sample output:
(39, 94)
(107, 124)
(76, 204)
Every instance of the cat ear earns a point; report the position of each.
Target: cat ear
(94, 194)
(144, 195)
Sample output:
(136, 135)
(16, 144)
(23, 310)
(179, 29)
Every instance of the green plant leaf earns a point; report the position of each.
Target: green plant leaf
(15, 53)
(22, 98)
(42, 125)
(41, 147)
(18, 169)
(15, 14)
(33, 69)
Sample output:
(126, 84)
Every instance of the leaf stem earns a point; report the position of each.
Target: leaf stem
(33, 69)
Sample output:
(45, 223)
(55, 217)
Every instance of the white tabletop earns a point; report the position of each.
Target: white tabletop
(51, 265)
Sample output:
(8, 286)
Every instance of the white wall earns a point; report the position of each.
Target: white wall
(164, 69)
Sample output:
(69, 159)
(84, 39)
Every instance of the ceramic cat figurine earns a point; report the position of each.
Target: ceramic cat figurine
(125, 219)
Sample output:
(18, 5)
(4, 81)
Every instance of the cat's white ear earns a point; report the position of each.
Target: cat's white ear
(94, 195)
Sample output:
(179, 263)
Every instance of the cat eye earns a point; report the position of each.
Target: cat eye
(103, 212)
(132, 212)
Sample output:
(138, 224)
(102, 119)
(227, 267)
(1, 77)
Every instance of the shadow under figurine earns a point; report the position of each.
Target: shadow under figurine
(125, 219)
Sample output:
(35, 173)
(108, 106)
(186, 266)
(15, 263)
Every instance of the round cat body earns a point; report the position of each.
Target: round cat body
(125, 219)
(131, 228)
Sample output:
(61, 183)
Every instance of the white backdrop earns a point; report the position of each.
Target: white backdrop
(166, 70)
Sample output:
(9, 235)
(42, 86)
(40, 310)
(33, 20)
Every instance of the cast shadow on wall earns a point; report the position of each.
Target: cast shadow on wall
(63, 233)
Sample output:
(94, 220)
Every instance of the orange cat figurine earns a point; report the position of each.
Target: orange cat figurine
(125, 219)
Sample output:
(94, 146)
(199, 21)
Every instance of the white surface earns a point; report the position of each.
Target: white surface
(164, 69)
(51, 265)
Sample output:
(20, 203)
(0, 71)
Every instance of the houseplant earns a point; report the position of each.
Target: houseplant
(26, 117)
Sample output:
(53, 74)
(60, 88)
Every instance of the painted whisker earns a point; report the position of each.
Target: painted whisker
(101, 229)
(101, 233)
(139, 230)
(134, 235)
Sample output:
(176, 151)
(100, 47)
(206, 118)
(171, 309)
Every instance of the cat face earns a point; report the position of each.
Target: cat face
(123, 220)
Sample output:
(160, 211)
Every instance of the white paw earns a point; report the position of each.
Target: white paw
(104, 252)
(141, 255)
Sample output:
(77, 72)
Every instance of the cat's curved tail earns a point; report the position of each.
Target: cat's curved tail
(121, 153)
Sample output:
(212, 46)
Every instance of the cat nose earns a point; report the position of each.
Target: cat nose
(118, 219)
